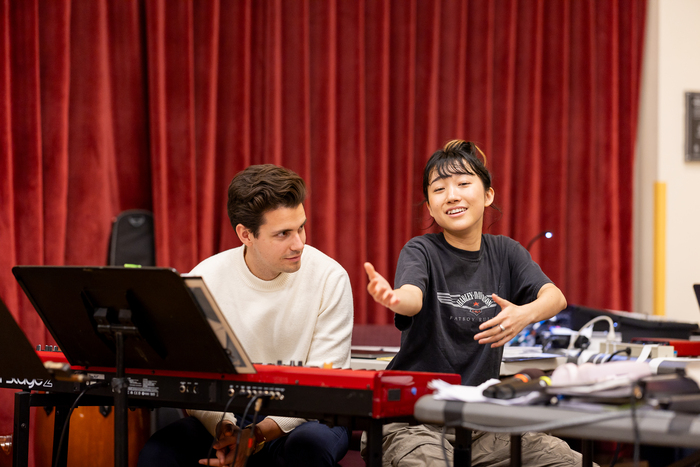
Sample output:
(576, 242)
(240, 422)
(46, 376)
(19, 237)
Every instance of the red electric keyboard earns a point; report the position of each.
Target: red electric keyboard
(358, 399)
(287, 390)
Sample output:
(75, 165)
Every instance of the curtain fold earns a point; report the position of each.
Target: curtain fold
(171, 91)
(54, 37)
(8, 291)
(151, 104)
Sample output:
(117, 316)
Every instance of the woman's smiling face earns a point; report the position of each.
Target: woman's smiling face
(457, 202)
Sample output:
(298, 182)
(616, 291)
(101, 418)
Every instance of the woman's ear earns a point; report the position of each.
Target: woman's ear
(489, 195)
(430, 211)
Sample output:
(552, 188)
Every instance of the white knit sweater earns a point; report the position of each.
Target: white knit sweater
(305, 316)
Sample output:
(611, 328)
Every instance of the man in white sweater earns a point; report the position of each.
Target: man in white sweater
(286, 302)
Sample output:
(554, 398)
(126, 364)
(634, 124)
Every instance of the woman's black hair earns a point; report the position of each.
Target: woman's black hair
(457, 157)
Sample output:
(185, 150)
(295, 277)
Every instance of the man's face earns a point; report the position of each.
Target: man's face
(277, 247)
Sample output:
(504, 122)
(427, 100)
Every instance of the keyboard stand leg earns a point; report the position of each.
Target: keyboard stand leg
(60, 417)
(20, 451)
(374, 444)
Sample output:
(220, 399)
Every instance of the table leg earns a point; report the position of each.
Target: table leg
(516, 450)
(587, 452)
(374, 443)
(463, 447)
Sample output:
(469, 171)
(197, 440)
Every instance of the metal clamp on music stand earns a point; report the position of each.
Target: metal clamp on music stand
(132, 318)
(120, 384)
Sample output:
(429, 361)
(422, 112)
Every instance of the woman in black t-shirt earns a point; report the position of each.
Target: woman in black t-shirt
(459, 297)
(457, 190)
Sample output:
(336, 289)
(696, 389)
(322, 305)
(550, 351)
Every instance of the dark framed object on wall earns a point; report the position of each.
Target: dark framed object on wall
(692, 126)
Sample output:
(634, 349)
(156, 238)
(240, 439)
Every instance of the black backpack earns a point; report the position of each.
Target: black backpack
(132, 240)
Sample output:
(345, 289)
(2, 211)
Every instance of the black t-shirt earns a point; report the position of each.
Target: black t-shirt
(457, 287)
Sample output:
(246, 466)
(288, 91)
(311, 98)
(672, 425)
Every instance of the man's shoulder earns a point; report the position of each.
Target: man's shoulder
(321, 261)
(223, 259)
(324, 278)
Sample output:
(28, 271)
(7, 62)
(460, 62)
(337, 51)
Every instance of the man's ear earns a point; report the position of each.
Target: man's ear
(244, 235)
(490, 195)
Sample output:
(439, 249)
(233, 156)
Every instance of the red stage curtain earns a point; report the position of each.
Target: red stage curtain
(154, 104)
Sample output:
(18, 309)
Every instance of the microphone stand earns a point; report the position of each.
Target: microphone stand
(544, 233)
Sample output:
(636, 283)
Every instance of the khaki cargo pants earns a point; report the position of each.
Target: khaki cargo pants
(406, 445)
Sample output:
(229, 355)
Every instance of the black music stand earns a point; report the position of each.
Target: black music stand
(140, 318)
(20, 364)
(18, 359)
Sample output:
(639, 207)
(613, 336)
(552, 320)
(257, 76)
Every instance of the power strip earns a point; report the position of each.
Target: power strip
(657, 351)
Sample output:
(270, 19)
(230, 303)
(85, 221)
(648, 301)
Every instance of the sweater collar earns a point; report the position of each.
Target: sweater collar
(254, 282)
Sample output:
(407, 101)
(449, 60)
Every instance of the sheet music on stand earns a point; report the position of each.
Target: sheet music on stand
(218, 323)
(180, 326)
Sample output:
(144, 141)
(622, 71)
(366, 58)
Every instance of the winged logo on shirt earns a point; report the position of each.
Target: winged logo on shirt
(474, 302)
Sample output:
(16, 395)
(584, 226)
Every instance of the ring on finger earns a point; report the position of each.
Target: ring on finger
(502, 328)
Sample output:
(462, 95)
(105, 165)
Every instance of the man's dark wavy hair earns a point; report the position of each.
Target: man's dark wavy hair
(259, 189)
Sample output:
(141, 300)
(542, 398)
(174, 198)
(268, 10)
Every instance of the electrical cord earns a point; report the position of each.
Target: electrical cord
(258, 405)
(70, 412)
(442, 444)
(618, 448)
(584, 346)
(221, 420)
(611, 329)
(245, 415)
(546, 344)
(626, 350)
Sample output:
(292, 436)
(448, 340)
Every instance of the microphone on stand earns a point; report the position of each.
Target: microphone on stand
(544, 233)
(528, 380)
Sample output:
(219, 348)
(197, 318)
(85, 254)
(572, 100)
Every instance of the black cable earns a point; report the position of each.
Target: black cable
(618, 448)
(626, 350)
(238, 434)
(223, 415)
(442, 444)
(547, 343)
(635, 424)
(258, 404)
(70, 412)
(584, 346)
